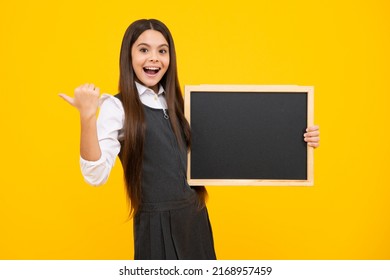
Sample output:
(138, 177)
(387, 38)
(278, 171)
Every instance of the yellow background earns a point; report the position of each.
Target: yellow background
(339, 47)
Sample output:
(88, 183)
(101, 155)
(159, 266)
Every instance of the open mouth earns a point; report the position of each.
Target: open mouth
(151, 70)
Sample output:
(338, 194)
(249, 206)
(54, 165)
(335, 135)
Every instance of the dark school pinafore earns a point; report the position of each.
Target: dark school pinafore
(169, 223)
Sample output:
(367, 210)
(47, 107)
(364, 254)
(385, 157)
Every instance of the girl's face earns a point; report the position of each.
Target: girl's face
(150, 58)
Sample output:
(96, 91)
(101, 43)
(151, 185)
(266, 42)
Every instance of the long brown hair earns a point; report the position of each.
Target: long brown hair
(134, 125)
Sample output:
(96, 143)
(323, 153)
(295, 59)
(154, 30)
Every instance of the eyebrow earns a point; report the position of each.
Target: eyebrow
(145, 44)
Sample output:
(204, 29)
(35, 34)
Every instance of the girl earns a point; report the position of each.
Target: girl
(145, 125)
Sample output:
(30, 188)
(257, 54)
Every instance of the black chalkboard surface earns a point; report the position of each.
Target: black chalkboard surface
(249, 135)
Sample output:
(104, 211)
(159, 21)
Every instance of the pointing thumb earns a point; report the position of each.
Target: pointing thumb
(68, 99)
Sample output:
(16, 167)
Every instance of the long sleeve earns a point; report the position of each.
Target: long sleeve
(109, 129)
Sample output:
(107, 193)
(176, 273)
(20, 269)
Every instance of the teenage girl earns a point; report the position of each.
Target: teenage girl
(145, 125)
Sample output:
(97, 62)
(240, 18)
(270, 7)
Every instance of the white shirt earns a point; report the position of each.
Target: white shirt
(110, 131)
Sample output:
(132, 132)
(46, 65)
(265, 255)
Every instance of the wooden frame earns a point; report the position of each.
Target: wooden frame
(191, 91)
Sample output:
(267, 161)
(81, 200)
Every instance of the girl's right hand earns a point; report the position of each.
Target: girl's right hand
(86, 99)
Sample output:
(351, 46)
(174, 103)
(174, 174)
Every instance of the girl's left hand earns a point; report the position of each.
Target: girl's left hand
(312, 136)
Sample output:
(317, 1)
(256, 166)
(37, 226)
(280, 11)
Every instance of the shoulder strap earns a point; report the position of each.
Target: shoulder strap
(119, 96)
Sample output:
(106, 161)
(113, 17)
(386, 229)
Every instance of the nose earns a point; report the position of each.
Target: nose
(153, 57)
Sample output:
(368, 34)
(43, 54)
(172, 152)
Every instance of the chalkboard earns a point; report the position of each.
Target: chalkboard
(249, 135)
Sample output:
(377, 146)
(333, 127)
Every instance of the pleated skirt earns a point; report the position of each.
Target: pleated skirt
(177, 230)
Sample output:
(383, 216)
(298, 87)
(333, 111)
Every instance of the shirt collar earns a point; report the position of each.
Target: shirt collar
(143, 89)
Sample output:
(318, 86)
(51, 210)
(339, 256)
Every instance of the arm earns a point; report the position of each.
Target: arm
(104, 133)
(86, 100)
(312, 136)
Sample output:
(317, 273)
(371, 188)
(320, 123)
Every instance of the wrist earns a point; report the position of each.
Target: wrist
(87, 116)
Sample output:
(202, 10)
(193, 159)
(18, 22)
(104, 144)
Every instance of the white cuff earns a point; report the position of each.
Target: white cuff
(95, 173)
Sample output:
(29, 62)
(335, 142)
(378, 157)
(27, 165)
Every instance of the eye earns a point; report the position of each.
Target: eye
(143, 50)
(163, 51)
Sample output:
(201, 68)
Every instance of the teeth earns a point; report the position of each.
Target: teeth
(152, 68)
